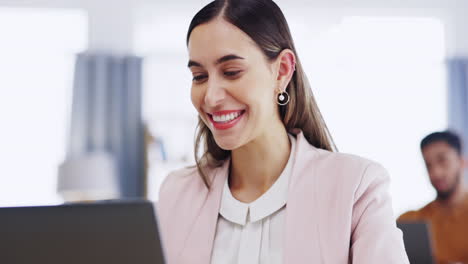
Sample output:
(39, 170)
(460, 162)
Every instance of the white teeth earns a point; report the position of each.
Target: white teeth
(226, 118)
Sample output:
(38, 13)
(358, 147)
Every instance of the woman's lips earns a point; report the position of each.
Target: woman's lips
(223, 120)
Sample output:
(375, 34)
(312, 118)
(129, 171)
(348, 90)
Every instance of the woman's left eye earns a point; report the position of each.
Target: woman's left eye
(231, 73)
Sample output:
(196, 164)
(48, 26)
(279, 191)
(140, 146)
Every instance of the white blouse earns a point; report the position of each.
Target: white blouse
(253, 233)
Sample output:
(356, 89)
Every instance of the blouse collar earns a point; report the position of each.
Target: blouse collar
(271, 201)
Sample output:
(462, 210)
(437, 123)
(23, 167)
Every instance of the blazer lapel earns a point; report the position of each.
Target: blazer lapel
(199, 243)
(302, 237)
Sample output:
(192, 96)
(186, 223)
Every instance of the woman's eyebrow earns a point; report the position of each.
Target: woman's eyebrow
(229, 57)
(192, 63)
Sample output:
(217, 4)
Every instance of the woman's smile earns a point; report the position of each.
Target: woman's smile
(226, 119)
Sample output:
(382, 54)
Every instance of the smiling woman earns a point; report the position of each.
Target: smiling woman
(241, 82)
(268, 187)
(268, 61)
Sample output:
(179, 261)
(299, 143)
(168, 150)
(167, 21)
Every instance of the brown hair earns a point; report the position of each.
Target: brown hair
(263, 21)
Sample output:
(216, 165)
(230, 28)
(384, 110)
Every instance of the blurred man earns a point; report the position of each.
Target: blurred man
(448, 213)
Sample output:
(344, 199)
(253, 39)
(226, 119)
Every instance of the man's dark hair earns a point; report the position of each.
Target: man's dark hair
(445, 136)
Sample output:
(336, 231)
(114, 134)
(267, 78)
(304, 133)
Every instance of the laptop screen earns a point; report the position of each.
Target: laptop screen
(417, 242)
(117, 232)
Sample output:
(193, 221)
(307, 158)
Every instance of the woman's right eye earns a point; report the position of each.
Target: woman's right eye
(199, 78)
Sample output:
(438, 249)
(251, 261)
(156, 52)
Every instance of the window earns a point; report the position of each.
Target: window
(37, 52)
(167, 107)
(380, 84)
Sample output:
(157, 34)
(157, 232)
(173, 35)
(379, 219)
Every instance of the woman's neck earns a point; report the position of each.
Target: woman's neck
(258, 164)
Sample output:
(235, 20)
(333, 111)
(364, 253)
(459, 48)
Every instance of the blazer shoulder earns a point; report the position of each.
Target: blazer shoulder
(180, 176)
(335, 164)
(179, 180)
(353, 173)
(347, 165)
(181, 196)
(342, 157)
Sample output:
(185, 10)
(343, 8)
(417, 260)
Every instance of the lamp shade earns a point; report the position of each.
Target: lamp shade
(88, 178)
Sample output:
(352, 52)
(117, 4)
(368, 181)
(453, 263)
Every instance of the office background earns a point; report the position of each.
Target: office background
(91, 89)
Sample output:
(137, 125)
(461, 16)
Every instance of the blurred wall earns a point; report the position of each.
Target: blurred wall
(122, 26)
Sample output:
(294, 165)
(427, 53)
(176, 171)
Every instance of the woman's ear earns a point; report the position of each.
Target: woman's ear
(286, 66)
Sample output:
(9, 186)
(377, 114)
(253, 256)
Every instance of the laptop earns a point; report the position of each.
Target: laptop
(417, 242)
(113, 232)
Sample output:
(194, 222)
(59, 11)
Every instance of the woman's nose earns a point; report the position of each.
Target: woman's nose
(215, 93)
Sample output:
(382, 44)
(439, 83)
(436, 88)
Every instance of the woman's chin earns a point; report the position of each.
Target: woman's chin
(231, 138)
(227, 143)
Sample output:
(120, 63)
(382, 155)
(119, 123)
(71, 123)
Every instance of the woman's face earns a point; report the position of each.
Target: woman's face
(234, 85)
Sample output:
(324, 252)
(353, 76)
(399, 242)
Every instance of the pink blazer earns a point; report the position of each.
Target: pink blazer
(338, 211)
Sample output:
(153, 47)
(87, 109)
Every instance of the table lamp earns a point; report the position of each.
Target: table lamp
(90, 177)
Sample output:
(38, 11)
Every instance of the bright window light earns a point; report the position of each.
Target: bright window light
(380, 84)
(37, 52)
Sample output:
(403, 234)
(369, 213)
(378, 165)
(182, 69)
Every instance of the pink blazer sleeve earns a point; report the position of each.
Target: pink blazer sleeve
(375, 237)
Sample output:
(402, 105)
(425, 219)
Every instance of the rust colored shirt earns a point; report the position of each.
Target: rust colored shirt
(448, 228)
